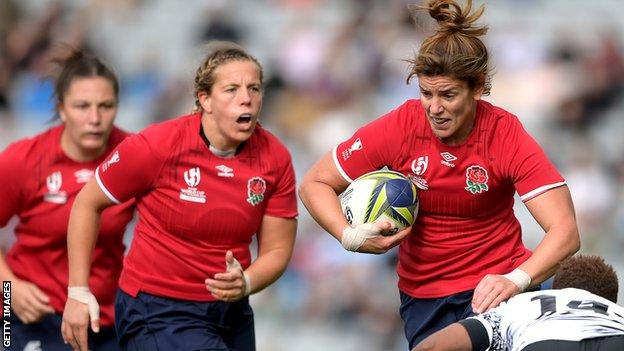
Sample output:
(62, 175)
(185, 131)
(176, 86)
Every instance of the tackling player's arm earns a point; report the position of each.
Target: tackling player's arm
(554, 212)
(456, 337)
(319, 193)
(82, 233)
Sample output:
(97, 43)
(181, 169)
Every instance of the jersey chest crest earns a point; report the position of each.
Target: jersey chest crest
(470, 174)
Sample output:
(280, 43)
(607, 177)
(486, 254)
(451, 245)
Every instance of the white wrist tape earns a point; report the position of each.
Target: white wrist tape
(237, 265)
(354, 237)
(520, 278)
(84, 295)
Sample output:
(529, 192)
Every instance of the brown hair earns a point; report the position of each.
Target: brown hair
(589, 273)
(219, 53)
(75, 63)
(455, 49)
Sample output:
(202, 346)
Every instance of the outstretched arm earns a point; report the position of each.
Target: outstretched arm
(82, 233)
(452, 338)
(554, 212)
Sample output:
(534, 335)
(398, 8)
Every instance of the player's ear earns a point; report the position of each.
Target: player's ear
(205, 101)
(61, 114)
(477, 91)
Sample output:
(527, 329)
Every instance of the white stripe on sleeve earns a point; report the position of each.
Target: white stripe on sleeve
(108, 194)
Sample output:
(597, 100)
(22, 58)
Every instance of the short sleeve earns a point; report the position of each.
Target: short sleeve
(283, 201)
(11, 178)
(372, 147)
(531, 172)
(130, 169)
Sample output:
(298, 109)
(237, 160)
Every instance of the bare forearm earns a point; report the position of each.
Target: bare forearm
(322, 203)
(558, 244)
(82, 233)
(267, 268)
(5, 271)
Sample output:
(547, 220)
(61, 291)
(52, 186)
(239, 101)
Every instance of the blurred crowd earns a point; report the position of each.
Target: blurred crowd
(331, 66)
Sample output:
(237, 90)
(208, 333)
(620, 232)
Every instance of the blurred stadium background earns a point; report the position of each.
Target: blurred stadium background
(332, 66)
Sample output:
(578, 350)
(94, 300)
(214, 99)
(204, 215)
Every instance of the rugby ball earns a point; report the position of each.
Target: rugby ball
(381, 196)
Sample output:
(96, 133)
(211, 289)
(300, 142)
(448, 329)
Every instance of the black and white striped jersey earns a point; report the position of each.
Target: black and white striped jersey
(567, 314)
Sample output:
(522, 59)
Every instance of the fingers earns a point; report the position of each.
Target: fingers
(76, 338)
(81, 339)
(40, 295)
(231, 263)
(491, 291)
(384, 226)
(95, 325)
(225, 284)
(76, 324)
(398, 237)
(68, 336)
(29, 303)
(381, 244)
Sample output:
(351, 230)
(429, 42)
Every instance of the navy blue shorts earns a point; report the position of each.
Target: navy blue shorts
(150, 322)
(423, 317)
(46, 336)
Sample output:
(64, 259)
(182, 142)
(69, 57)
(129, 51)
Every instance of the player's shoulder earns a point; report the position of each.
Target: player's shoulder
(164, 134)
(407, 110)
(117, 135)
(269, 142)
(26, 149)
(496, 115)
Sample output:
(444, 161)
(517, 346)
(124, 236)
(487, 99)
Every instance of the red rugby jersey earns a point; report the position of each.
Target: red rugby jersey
(193, 205)
(465, 227)
(39, 185)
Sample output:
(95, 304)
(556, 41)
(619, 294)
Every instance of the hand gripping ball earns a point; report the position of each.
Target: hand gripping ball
(381, 196)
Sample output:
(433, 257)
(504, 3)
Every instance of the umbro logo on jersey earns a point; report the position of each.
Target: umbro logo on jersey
(84, 175)
(357, 145)
(447, 158)
(192, 178)
(54, 195)
(225, 171)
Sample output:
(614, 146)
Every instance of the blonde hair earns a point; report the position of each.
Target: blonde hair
(455, 49)
(219, 53)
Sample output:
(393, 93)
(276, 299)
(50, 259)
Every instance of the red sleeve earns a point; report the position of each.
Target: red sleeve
(130, 170)
(373, 146)
(526, 162)
(283, 201)
(11, 180)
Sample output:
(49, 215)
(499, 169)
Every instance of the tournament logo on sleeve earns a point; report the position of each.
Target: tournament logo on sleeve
(357, 145)
(113, 159)
(256, 187)
(476, 179)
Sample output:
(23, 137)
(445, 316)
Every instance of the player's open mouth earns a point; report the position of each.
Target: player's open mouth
(439, 121)
(244, 118)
